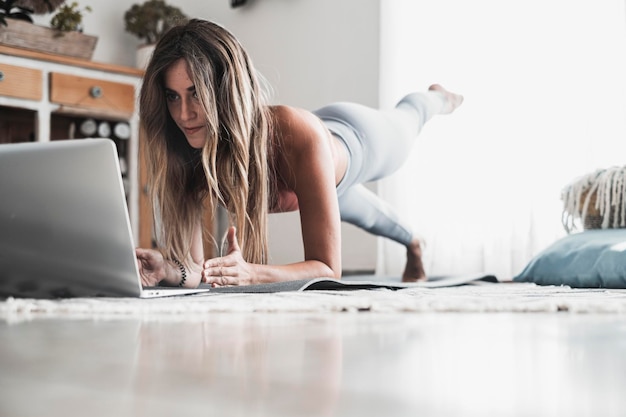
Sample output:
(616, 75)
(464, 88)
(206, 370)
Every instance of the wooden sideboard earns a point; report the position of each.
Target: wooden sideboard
(46, 97)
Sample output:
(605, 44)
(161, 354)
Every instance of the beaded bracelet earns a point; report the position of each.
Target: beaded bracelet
(183, 272)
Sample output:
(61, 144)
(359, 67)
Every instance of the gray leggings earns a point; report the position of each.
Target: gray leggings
(378, 143)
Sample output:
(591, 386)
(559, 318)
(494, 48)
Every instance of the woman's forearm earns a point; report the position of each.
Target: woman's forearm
(221, 272)
(301, 270)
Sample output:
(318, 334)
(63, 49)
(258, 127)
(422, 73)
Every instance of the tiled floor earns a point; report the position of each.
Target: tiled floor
(342, 364)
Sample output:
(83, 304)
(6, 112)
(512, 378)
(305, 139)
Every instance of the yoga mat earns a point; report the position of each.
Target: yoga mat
(358, 282)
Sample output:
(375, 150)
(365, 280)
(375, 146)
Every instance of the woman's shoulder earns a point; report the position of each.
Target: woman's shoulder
(289, 115)
(296, 125)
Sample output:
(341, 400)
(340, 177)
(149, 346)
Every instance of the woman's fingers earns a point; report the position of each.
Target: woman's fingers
(225, 270)
(219, 271)
(231, 239)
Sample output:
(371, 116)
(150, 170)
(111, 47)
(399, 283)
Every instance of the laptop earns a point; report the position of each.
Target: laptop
(64, 224)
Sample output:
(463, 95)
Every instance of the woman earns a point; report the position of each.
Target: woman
(212, 140)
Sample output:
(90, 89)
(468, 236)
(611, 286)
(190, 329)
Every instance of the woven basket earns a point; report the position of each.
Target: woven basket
(593, 219)
(580, 200)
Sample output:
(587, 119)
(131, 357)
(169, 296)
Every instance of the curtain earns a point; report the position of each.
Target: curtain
(545, 90)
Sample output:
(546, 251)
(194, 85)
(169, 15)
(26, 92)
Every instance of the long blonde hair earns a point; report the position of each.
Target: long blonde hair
(232, 169)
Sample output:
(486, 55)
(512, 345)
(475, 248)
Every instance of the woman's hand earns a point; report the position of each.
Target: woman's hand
(155, 270)
(231, 269)
(151, 266)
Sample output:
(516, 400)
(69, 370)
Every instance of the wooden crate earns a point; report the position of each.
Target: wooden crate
(22, 34)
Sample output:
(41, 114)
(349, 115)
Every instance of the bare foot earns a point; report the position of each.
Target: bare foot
(454, 100)
(414, 270)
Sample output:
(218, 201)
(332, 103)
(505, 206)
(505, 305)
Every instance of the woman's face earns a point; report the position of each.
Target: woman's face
(184, 105)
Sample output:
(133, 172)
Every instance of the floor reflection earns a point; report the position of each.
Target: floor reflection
(344, 364)
(242, 363)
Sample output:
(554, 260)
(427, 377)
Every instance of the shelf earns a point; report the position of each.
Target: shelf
(17, 125)
(48, 97)
(113, 115)
(65, 60)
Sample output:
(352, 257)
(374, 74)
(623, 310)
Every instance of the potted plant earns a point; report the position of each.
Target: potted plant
(23, 9)
(148, 21)
(17, 29)
(69, 18)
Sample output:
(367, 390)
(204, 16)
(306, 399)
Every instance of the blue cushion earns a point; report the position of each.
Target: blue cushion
(590, 259)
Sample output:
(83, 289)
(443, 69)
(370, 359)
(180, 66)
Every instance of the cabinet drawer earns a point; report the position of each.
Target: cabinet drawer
(91, 93)
(20, 82)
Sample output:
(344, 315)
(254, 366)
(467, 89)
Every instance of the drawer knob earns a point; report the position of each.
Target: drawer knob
(1, 76)
(96, 92)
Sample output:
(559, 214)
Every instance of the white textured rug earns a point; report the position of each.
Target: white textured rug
(484, 297)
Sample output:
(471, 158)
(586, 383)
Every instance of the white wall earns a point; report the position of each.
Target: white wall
(544, 103)
(311, 51)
